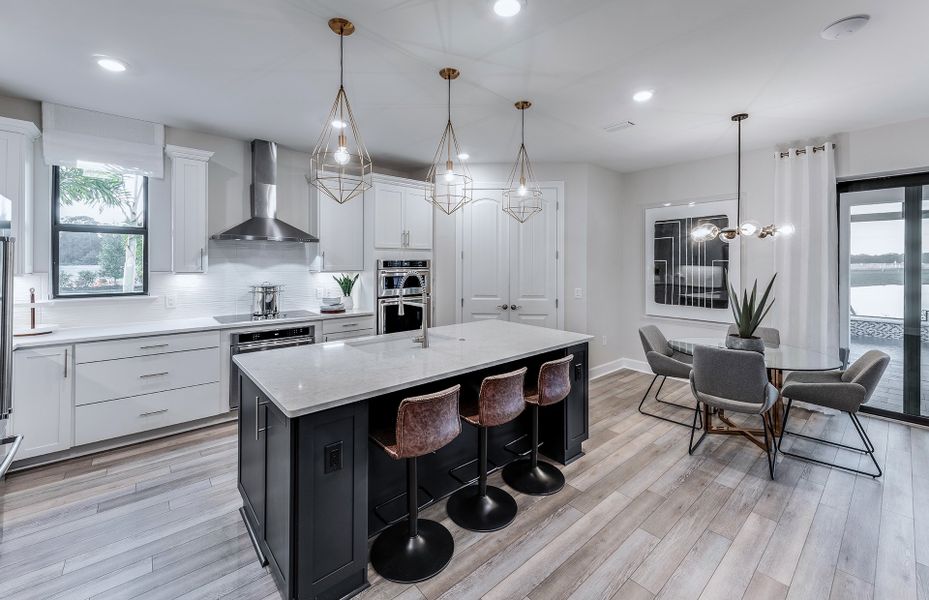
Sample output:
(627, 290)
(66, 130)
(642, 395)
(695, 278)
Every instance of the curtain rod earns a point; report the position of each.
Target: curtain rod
(800, 151)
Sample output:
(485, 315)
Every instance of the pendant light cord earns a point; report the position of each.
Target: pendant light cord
(341, 59)
(738, 193)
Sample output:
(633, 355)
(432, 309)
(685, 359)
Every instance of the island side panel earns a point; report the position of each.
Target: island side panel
(564, 426)
(331, 503)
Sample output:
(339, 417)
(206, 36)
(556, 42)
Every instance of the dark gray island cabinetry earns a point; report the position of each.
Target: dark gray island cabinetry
(314, 489)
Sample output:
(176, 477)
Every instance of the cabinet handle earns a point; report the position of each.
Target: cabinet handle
(349, 324)
(147, 375)
(66, 362)
(258, 430)
(201, 259)
(153, 346)
(153, 412)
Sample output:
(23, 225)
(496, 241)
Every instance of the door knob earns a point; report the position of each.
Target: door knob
(515, 307)
(503, 306)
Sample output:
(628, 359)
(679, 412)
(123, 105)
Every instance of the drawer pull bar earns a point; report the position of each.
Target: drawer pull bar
(147, 375)
(153, 412)
(258, 428)
(349, 324)
(153, 346)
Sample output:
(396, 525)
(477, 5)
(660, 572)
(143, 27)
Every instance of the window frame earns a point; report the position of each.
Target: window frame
(58, 227)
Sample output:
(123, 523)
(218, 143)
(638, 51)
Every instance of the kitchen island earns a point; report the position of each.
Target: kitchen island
(314, 489)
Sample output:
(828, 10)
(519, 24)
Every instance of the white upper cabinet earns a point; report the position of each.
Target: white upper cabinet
(340, 228)
(189, 202)
(17, 139)
(402, 216)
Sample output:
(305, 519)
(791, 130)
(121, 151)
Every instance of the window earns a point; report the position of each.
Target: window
(99, 233)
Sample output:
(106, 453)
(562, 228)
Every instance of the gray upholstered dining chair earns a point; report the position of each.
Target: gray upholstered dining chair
(845, 391)
(769, 335)
(735, 381)
(664, 362)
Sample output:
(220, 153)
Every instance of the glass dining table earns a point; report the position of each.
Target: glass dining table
(778, 360)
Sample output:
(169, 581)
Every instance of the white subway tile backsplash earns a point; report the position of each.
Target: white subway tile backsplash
(222, 290)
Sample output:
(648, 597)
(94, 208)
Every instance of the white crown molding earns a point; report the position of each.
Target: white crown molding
(191, 153)
(26, 128)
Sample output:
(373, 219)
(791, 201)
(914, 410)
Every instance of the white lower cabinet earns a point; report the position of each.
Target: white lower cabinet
(125, 416)
(42, 400)
(332, 337)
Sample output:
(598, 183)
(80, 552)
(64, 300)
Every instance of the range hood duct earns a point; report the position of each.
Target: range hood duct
(264, 224)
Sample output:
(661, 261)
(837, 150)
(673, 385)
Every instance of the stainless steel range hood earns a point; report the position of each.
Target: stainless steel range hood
(264, 224)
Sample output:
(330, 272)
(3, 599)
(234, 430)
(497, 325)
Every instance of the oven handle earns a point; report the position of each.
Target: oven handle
(271, 344)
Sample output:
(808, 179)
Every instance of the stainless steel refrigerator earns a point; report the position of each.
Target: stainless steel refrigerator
(9, 444)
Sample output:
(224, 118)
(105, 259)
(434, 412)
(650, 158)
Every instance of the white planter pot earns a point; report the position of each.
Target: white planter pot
(348, 303)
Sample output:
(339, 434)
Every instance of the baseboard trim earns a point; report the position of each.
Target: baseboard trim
(615, 365)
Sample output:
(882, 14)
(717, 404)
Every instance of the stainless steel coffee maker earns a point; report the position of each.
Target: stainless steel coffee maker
(266, 300)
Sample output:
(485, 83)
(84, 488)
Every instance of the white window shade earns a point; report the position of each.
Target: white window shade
(75, 137)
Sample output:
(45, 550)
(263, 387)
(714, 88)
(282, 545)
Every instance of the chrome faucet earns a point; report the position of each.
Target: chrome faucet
(420, 275)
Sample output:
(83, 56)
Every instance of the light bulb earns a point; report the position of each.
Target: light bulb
(449, 176)
(749, 228)
(507, 8)
(342, 156)
(786, 229)
(521, 190)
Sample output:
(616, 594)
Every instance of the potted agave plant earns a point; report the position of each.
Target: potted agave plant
(748, 313)
(346, 284)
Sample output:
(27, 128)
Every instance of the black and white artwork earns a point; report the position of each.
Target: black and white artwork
(684, 277)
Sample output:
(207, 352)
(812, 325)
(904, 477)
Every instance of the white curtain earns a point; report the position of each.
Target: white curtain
(807, 287)
(76, 137)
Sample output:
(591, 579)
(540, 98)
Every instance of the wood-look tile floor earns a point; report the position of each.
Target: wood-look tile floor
(639, 519)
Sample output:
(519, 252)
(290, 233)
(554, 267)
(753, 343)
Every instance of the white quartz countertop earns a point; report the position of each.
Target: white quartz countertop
(73, 335)
(307, 379)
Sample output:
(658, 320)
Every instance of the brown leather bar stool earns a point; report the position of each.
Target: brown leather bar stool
(482, 507)
(416, 549)
(531, 475)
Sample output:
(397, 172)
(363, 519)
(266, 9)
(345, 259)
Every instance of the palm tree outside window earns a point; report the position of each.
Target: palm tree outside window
(99, 233)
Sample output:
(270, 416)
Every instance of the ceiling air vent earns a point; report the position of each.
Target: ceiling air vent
(618, 126)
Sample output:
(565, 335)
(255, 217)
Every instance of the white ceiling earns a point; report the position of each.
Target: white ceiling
(269, 69)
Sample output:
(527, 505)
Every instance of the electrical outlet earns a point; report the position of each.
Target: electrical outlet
(319, 292)
(171, 301)
(333, 456)
(578, 293)
(603, 340)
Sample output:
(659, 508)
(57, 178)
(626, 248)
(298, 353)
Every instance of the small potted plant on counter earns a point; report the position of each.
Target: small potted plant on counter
(347, 283)
(748, 315)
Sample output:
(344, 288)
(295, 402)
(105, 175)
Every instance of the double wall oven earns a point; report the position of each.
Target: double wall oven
(390, 288)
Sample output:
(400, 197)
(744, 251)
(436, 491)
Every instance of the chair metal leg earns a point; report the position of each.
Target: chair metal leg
(859, 428)
(693, 429)
(770, 447)
(657, 416)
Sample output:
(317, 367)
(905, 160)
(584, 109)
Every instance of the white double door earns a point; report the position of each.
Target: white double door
(510, 270)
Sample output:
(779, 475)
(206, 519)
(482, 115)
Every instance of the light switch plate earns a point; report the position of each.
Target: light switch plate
(171, 301)
(578, 293)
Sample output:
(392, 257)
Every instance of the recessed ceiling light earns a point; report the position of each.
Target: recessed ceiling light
(464, 156)
(691, 203)
(108, 63)
(666, 204)
(507, 8)
(339, 124)
(844, 27)
(643, 95)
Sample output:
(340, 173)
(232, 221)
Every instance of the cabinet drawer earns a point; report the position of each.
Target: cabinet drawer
(125, 416)
(106, 380)
(346, 335)
(145, 346)
(347, 324)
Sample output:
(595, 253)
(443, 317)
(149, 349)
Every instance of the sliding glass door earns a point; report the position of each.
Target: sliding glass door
(884, 286)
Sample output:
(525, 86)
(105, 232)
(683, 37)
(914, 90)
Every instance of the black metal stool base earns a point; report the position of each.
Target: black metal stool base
(398, 557)
(542, 480)
(471, 511)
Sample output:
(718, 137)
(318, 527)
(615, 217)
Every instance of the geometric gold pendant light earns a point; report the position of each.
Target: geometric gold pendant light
(450, 183)
(340, 164)
(522, 196)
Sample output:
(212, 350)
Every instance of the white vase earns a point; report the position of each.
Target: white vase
(347, 302)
